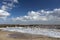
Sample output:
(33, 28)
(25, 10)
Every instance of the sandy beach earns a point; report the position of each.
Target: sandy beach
(4, 35)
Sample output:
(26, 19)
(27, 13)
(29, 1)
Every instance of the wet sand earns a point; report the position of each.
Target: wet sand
(4, 35)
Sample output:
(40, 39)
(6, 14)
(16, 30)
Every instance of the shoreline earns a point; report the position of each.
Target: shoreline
(21, 36)
(34, 31)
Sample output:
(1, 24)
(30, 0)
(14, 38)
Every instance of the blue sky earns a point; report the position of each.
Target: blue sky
(28, 5)
(30, 11)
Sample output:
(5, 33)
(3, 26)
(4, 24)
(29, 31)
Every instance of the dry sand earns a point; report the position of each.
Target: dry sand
(4, 35)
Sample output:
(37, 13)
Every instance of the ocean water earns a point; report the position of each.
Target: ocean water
(36, 31)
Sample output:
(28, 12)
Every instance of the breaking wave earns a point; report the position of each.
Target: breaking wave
(36, 31)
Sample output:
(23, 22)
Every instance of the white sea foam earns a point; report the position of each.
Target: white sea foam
(36, 31)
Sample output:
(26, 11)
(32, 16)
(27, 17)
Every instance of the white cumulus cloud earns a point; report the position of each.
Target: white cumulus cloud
(4, 14)
(16, 1)
(8, 4)
(41, 15)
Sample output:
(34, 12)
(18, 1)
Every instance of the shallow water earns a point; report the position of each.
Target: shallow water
(36, 31)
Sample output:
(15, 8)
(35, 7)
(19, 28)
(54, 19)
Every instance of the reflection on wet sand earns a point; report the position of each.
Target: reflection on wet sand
(5, 35)
(24, 36)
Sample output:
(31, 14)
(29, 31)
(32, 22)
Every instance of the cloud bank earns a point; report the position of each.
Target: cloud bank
(37, 17)
(41, 15)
